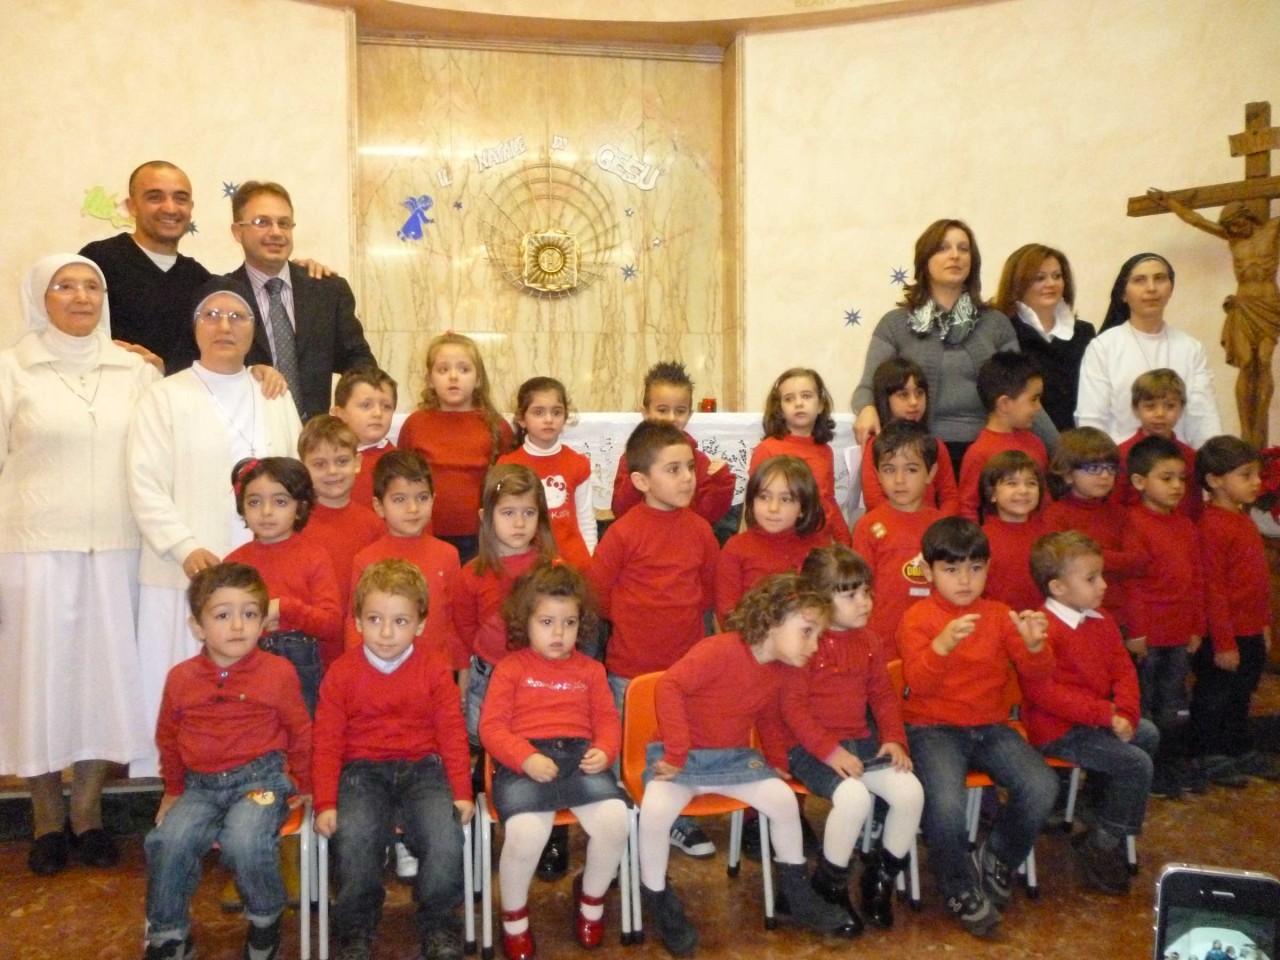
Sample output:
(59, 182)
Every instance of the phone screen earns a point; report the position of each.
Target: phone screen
(1193, 933)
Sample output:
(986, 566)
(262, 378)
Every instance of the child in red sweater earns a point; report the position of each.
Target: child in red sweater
(338, 524)
(831, 748)
(365, 399)
(542, 407)
(784, 522)
(957, 650)
(1164, 612)
(1011, 484)
(1009, 385)
(1238, 592)
(668, 397)
(235, 749)
(900, 391)
(391, 751)
(304, 619)
(707, 703)
(1087, 710)
(550, 724)
(1159, 397)
(797, 422)
(888, 536)
(459, 431)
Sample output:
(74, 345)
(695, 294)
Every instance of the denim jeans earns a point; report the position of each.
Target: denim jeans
(942, 756)
(375, 797)
(1162, 680)
(478, 674)
(304, 653)
(242, 810)
(1126, 767)
(1220, 701)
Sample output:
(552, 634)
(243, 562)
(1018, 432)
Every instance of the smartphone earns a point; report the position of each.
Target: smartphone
(1212, 913)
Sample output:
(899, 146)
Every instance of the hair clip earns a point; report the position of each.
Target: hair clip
(248, 465)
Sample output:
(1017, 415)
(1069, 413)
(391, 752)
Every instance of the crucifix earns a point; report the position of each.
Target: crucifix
(1252, 323)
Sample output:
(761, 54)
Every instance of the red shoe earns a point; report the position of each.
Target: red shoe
(517, 946)
(588, 932)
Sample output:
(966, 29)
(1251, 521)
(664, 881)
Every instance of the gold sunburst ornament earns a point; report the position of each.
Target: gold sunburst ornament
(550, 261)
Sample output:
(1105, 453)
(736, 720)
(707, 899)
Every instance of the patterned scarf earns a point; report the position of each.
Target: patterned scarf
(950, 326)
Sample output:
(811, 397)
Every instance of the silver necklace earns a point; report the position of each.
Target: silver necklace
(1161, 337)
(88, 400)
(253, 406)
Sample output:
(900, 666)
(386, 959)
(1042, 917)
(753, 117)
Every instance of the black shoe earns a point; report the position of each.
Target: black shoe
(1223, 770)
(997, 878)
(355, 948)
(95, 848)
(879, 878)
(49, 854)
(796, 899)
(831, 883)
(263, 943)
(1193, 777)
(679, 936)
(1254, 763)
(171, 950)
(442, 943)
(1104, 870)
(690, 838)
(555, 855)
(1164, 783)
(974, 912)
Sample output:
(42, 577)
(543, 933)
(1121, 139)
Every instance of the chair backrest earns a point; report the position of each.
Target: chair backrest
(639, 728)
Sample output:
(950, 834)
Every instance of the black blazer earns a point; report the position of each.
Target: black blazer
(327, 333)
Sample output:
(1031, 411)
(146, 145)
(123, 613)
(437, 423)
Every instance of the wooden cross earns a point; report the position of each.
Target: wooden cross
(1258, 187)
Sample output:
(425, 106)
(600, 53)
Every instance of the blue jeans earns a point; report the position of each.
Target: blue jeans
(1125, 766)
(1162, 681)
(242, 810)
(943, 755)
(375, 797)
(478, 674)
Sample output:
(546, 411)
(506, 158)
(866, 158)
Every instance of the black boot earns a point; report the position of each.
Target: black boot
(797, 899)
(831, 883)
(878, 880)
(678, 934)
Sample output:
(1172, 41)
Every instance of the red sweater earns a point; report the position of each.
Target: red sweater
(362, 492)
(216, 718)
(531, 697)
(822, 462)
(407, 714)
(1009, 575)
(1093, 678)
(889, 540)
(343, 532)
(1165, 604)
(941, 491)
(654, 575)
(1236, 575)
(300, 574)
(986, 446)
(438, 562)
(561, 473)
(753, 554)
(1127, 495)
(712, 494)
(712, 696)
(1123, 555)
(966, 687)
(477, 605)
(827, 701)
(457, 444)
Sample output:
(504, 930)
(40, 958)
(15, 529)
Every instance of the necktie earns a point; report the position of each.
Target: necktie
(282, 336)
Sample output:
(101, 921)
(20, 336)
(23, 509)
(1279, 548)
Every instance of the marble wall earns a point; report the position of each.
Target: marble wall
(464, 151)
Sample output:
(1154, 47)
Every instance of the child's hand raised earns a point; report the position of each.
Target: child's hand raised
(1033, 626)
(954, 632)
(540, 767)
(845, 763)
(665, 771)
(594, 760)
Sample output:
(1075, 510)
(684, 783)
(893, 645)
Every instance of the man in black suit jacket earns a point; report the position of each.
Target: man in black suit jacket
(318, 316)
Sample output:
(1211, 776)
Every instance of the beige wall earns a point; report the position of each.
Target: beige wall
(229, 90)
(1033, 120)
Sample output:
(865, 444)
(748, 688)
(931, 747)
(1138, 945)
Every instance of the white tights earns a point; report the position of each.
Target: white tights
(851, 805)
(664, 799)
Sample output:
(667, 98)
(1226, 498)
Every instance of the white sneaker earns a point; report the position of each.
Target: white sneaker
(406, 863)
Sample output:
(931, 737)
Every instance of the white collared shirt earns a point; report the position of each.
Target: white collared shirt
(386, 666)
(1064, 321)
(1069, 615)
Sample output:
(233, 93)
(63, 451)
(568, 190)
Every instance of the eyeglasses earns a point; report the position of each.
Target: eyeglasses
(76, 286)
(234, 317)
(266, 223)
(1098, 468)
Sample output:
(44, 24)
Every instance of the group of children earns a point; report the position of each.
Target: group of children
(479, 560)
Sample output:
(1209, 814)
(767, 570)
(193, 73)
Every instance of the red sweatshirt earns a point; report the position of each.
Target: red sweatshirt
(986, 446)
(654, 575)
(753, 554)
(457, 444)
(713, 695)
(1127, 495)
(889, 540)
(1166, 604)
(561, 473)
(712, 495)
(531, 697)
(1236, 575)
(343, 532)
(216, 718)
(477, 605)
(362, 492)
(822, 462)
(966, 687)
(827, 701)
(300, 574)
(438, 562)
(1009, 575)
(1093, 678)
(941, 491)
(408, 714)
(1123, 555)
